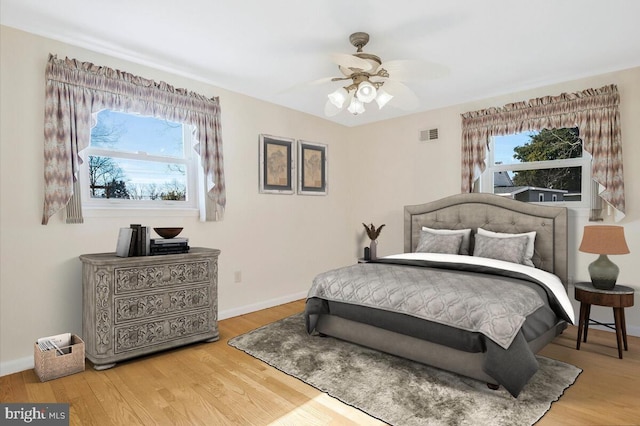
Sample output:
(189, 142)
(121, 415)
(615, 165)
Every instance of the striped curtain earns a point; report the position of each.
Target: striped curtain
(594, 112)
(76, 90)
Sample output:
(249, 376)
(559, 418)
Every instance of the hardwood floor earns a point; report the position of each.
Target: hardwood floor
(216, 384)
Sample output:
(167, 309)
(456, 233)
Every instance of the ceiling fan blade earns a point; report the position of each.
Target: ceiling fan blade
(413, 70)
(319, 81)
(305, 85)
(403, 97)
(349, 61)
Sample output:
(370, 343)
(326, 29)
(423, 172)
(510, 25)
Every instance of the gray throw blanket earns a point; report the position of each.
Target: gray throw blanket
(465, 301)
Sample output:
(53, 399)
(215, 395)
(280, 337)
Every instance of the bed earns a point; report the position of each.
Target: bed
(419, 305)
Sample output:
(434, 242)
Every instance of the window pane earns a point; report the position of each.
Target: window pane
(557, 184)
(111, 177)
(135, 133)
(504, 147)
(546, 145)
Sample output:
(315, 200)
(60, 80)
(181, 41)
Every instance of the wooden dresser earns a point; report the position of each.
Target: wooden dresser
(134, 306)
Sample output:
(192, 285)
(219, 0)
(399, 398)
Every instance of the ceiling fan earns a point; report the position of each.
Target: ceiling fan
(372, 80)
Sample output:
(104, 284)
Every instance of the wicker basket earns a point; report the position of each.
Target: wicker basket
(50, 365)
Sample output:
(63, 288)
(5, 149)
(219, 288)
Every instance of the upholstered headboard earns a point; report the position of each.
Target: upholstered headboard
(498, 214)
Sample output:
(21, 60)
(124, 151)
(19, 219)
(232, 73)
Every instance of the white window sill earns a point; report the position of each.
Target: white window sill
(138, 212)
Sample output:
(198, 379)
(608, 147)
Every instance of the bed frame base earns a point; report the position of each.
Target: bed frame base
(465, 363)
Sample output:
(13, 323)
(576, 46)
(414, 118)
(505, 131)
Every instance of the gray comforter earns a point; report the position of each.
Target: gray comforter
(481, 301)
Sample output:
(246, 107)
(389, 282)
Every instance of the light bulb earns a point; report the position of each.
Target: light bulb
(366, 92)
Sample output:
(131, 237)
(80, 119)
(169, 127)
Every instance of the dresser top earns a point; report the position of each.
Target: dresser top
(111, 258)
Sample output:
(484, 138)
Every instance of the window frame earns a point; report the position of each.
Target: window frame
(486, 180)
(194, 174)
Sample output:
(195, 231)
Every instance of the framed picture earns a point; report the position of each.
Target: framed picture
(312, 168)
(277, 165)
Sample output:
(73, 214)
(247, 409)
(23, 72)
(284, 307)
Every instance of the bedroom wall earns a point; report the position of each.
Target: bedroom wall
(395, 169)
(277, 242)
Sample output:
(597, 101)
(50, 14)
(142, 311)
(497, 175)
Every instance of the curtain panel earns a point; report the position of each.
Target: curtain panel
(75, 90)
(594, 111)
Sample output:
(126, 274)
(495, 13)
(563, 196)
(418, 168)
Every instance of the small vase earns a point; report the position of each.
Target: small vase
(372, 249)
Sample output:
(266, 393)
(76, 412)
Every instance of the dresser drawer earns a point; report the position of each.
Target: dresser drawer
(148, 305)
(151, 333)
(149, 277)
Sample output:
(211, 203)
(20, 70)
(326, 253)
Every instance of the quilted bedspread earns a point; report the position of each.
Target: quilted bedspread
(466, 301)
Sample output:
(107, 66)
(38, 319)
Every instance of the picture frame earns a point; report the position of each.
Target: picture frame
(277, 165)
(312, 168)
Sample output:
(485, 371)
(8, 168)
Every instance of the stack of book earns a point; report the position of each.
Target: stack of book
(136, 241)
(133, 241)
(160, 246)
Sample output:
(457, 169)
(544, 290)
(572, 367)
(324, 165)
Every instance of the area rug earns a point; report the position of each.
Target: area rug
(398, 391)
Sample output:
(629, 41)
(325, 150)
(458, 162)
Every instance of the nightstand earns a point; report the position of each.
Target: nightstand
(618, 298)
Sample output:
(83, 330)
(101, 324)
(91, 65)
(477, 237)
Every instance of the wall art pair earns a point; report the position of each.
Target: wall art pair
(280, 158)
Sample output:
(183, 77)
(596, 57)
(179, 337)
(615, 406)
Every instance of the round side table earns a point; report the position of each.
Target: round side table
(618, 298)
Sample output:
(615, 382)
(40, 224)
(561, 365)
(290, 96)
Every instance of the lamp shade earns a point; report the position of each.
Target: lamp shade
(366, 92)
(338, 97)
(382, 98)
(355, 107)
(604, 239)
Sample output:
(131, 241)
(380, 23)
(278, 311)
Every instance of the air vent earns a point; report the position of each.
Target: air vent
(428, 135)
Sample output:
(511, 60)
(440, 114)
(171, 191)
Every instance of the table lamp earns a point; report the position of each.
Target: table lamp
(604, 240)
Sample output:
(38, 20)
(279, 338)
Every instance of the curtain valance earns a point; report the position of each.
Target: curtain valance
(594, 111)
(75, 90)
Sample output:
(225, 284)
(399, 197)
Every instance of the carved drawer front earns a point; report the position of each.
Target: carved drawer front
(160, 276)
(149, 333)
(132, 307)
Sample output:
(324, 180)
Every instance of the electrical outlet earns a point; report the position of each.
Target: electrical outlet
(237, 277)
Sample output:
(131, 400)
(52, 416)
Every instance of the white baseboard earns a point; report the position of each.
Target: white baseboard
(16, 365)
(26, 363)
(230, 313)
(631, 331)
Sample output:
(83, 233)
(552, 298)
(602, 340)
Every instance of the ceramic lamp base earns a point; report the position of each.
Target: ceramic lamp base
(604, 273)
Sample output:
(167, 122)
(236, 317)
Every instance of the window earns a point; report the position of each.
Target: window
(135, 161)
(545, 166)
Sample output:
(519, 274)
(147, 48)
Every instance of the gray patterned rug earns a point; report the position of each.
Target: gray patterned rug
(399, 391)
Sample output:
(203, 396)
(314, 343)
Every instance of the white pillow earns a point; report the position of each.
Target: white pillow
(528, 255)
(466, 236)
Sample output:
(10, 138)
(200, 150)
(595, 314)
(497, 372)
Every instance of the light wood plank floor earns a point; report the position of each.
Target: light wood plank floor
(213, 383)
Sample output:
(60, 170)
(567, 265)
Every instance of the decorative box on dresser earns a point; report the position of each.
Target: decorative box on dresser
(135, 306)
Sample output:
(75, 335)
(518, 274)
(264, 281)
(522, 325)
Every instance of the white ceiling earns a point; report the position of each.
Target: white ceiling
(270, 49)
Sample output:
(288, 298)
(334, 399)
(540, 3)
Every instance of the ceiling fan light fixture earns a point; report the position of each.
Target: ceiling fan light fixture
(366, 92)
(338, 97)
(356, 107)
(383, 98)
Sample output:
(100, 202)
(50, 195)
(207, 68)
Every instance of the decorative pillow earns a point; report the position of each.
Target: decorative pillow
(466, 236)
(508, 249)
(439, 243)
(531, 236)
